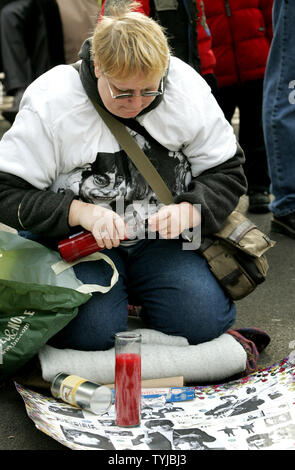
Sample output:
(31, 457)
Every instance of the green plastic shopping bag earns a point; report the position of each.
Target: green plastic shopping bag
(39, 295)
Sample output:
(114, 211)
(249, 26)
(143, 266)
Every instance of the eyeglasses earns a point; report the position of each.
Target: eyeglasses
(144, 94)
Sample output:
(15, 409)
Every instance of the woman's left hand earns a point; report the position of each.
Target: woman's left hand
(170, 221)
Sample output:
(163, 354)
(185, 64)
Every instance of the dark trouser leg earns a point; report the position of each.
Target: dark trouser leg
(227, 100)
(23, 42)
(251, 135)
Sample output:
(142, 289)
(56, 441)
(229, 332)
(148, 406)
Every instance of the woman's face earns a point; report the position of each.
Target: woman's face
(126, 107)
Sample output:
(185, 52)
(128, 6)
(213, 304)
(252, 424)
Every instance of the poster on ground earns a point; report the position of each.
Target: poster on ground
(254, 413)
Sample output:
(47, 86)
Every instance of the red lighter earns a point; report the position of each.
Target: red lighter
(78, 245)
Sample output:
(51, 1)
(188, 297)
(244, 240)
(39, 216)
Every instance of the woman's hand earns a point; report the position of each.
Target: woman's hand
(170, 221)
(107, 227)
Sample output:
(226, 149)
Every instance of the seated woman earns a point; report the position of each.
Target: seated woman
(128, 68)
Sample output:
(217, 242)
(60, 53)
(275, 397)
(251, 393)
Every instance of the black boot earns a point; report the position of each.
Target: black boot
(284, 224)
(258, 202)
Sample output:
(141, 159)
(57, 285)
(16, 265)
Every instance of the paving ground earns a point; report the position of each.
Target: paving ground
(271, 307)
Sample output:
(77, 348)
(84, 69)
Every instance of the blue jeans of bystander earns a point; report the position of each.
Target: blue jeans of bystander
(279, 109)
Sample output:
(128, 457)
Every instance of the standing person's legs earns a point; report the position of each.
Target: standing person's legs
(24, 49)
(16, 59)
(278, 116)
(252, 142)
(179, 294)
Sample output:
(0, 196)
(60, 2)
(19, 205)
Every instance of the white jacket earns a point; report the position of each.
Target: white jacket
(57, 129)
(59, 148)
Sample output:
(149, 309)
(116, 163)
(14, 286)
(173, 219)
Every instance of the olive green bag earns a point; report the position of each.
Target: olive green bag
(236, 255)
(39, 295)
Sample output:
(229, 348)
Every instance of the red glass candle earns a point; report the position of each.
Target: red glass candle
(128, 379)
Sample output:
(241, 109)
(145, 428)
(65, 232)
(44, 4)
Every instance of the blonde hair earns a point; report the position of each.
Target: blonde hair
(127, 43)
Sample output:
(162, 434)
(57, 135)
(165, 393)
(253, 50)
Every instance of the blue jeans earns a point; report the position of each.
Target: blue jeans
(175, 287)
(279, 109)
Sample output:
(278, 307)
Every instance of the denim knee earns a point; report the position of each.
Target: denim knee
(199, 311)
(206, 315)
(206, 324)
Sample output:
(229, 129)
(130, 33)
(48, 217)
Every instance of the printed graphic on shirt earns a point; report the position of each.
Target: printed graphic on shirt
(113, 181)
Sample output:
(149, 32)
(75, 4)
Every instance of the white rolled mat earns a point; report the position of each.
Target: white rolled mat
(162, 356)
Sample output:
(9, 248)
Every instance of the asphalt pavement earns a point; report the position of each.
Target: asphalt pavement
(271, 307)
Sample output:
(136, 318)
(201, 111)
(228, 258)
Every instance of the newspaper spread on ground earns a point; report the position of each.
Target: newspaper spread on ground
(255, 412)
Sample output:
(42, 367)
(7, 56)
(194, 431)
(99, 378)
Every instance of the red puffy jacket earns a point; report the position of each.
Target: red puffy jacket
(203, 33)
(241, 35)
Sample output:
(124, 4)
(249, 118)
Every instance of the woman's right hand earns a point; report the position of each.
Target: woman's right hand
(107, 227)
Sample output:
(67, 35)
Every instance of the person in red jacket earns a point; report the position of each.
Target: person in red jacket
(187, 30)
(241, 36)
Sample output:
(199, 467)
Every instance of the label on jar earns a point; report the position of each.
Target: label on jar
(68, 388)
